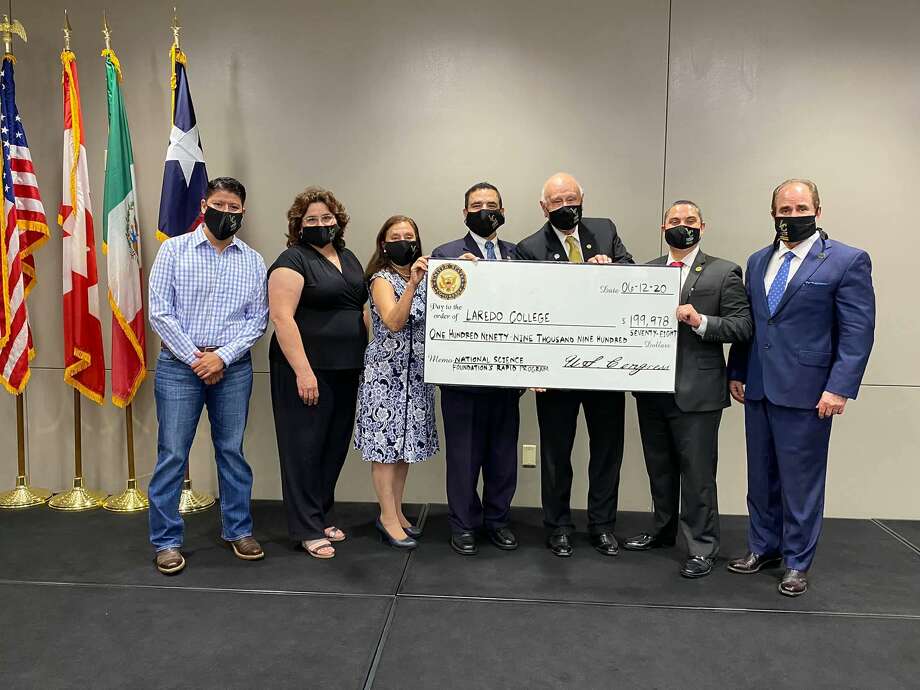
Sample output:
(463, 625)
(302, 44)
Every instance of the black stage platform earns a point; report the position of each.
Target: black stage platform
(82, 606)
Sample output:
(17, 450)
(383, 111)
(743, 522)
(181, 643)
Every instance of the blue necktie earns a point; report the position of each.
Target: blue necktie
(490, 251)
(778, 287)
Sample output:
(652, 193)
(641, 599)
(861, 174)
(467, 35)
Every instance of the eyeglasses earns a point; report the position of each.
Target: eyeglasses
(325, 219)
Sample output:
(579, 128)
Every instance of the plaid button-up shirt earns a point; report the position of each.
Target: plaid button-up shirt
(202, 298)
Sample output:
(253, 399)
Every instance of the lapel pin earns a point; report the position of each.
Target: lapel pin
(699, 269)
(822, 255)
(587, 246)
(555, 256)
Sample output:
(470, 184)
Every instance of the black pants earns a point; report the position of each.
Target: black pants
(312, 444)
(681, 453)
(481, 433)
(557, 414)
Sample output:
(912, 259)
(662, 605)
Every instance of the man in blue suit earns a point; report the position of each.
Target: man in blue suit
(480, 424)
(814, 321)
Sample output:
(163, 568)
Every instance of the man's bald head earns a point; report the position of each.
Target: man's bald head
(562, 185)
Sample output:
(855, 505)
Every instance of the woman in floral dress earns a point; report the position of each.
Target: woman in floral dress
(396, 412)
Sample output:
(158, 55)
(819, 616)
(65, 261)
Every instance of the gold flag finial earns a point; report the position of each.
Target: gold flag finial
(176, 28)
(67, 29)
(8, 28)
(106, 32)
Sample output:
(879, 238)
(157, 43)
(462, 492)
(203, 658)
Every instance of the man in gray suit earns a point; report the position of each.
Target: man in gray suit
(680, 430)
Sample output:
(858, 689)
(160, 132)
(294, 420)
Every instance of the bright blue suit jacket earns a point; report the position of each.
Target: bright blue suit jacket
(821, 335)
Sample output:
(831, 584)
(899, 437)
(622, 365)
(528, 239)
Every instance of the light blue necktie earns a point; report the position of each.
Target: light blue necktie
(490, 251)
(778, 287)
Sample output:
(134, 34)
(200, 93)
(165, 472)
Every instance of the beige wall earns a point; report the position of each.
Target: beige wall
(398, 106)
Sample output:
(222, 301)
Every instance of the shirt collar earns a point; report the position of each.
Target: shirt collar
(198, 237)
(481, 241)
(688, 260)
(561, 235)
(801, 249)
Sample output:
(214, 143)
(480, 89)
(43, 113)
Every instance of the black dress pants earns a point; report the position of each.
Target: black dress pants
(681, 453)
(481, 433)
(312, 444)
(557, 414)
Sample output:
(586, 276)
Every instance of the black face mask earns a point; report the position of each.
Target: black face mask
(222, 224)
(401, 252)
(794, 228)
(484, 222)
(565, 217)
(318, 235)
(682, 236)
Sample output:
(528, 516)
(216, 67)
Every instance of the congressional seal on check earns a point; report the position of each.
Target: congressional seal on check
(527, 324)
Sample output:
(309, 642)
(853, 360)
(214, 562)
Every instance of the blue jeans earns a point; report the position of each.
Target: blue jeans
(180, 397)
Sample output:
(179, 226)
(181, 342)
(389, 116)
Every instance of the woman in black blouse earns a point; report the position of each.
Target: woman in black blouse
(316, 298)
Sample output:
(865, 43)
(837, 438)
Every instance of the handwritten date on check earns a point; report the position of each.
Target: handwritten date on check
(527, 324)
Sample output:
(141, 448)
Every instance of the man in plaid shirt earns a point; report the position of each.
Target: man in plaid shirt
(208, 304)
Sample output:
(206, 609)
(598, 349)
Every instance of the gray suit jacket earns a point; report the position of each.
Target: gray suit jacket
(714, 287)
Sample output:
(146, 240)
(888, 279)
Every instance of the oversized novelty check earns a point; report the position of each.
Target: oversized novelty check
(527, 324)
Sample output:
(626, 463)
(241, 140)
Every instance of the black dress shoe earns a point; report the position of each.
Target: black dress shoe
(754, 563)
(605, 543)
(794, 583)
(560, 545)
(413, 531)
(503, 538)
(697, 566)
(646, 541)
(464, 543)
(408, 543)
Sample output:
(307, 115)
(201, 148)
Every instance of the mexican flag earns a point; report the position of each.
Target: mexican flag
(121, 245)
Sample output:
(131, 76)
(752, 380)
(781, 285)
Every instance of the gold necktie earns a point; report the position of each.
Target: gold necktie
(574, 250)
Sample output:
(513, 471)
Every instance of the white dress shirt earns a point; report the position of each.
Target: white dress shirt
(481, 241)
(561, 235)
(800, 251)
(687, 262)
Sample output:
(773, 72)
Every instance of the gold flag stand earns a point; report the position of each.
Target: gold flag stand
(23, 496)
(77, 498)
(132, 499)
(191, 501)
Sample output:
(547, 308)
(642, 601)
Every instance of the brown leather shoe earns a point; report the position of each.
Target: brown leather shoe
(794, 583)
(170, 561)
(754, 563)
(248, 549)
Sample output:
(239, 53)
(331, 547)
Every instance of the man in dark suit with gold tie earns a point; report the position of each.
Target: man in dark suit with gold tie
(568, 236)
(680, 430)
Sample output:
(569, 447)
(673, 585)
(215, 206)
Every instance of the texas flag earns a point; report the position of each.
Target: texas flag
(185, 178)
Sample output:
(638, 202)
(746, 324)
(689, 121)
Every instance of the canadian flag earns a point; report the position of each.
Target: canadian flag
(84, 359)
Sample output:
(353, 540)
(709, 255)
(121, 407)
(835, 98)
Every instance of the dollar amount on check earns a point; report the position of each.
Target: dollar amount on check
(528, 324)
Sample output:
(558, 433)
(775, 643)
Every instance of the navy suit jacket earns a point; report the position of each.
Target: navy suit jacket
(453, 250)
(821, 335)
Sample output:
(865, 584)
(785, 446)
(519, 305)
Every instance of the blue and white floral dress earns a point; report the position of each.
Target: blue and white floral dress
(396, 416)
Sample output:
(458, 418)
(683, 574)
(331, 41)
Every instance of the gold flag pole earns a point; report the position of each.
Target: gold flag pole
(77, 498)
(190, 501)
(23, 496)
(132, 499)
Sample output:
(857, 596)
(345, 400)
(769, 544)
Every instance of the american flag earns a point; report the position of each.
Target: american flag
(23, 228)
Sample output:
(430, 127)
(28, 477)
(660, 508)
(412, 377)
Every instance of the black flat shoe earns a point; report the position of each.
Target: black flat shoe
(646, 541)
(697, 566)
(413, 531)
(605, 543)
(408, 543)
(464, 543)
(754, 563)
(560, 545)
(503, 538)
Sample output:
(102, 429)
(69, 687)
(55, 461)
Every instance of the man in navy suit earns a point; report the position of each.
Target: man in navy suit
(814, 321)
(480, 424)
